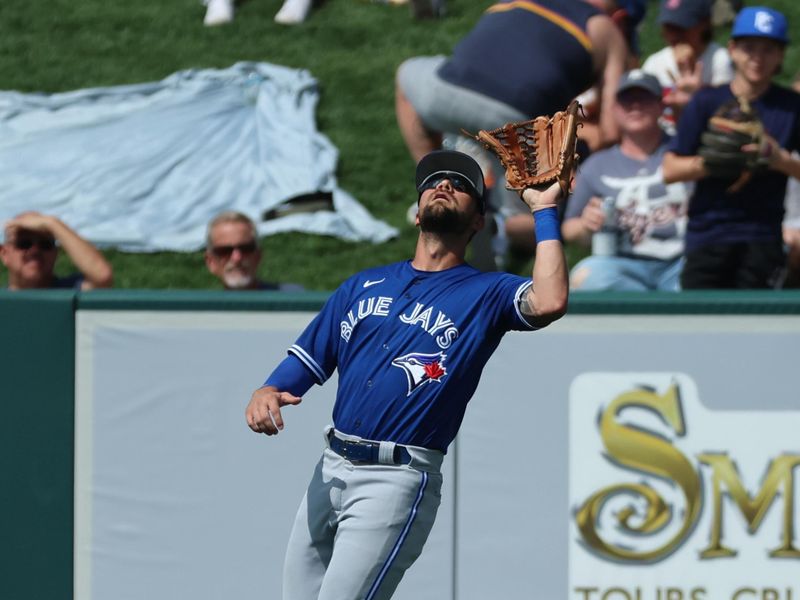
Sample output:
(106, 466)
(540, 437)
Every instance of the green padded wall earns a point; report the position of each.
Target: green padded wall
(37, 363)
(37, 367)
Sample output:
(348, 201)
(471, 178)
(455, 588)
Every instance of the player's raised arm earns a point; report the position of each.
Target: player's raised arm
(548, 296)
(539, 156)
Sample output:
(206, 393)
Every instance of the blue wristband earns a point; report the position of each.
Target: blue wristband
(547, 225)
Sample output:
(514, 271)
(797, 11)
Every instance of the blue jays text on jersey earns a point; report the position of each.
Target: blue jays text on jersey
(410, 347)
(441, 326)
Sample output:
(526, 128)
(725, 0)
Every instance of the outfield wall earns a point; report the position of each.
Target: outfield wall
(643, 447)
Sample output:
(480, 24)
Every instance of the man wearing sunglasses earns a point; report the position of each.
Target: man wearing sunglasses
(32, 242)
(233, 254)
(409, 341)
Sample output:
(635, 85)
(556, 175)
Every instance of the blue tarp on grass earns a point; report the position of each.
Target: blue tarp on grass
(145, 167)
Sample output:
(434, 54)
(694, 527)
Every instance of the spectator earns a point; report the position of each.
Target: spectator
(30, 250)
(791, 235)
(629, 16)
(649, 217)
(521, 60)
(233, 254)
(734, 237)
(220, 12)
(293, 12)
(791, 222)
(691, 58)
(626, 14)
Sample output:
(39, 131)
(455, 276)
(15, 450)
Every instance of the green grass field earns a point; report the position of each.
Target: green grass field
(351, 46)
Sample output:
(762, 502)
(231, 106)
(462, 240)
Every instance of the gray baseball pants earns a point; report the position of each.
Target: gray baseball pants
(360, 526)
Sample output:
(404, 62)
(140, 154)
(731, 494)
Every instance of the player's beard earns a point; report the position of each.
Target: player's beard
(435, 218)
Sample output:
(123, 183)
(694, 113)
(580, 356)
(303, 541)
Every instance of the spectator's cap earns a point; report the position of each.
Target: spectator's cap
(441, 162)
(684, 13)
(639, 79)
(760, 21)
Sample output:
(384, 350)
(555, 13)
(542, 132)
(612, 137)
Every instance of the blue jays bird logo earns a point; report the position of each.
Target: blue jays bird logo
(421, 368)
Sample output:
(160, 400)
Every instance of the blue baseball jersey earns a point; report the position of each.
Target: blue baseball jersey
(410, 347)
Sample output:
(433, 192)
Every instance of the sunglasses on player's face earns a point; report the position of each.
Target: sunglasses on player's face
(458, 182)
(43, 244)
(226, 251)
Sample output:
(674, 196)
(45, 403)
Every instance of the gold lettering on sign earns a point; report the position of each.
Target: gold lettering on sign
(642, 451)
(779, 473)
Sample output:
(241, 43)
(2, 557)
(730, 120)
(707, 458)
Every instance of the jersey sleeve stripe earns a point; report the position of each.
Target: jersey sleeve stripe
(518, 300)
(309, 362)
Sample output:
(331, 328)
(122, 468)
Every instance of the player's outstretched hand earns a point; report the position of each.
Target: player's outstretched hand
(542, 197)
(264, 411)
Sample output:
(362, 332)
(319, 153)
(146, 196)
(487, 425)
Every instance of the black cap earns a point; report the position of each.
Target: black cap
(440, 162)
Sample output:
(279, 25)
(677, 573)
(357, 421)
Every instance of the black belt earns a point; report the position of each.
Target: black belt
(365, 453)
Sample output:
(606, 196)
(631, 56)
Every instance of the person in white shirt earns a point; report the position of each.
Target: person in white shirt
(690, 60)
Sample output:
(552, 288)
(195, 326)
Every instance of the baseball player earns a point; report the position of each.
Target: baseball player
(410, 341)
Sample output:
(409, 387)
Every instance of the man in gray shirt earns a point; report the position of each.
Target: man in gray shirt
(620, 195)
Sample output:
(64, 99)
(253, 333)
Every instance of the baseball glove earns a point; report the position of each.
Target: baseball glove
(735, 124)
(538, 152)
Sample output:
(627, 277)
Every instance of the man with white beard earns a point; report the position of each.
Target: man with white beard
(233, 254)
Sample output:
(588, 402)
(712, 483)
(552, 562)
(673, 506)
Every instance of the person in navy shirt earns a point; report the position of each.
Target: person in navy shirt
(734, 237)
(409, 341)
(521, 60)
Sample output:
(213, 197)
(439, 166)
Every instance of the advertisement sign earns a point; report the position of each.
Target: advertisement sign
(672, 501)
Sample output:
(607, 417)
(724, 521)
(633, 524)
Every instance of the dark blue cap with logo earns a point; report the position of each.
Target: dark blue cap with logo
(760, 21)
(684, 13)
(441, 162)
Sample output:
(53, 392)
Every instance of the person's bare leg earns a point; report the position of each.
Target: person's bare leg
(419, 140)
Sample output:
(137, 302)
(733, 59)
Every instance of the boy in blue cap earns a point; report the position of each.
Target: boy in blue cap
(734, 238)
